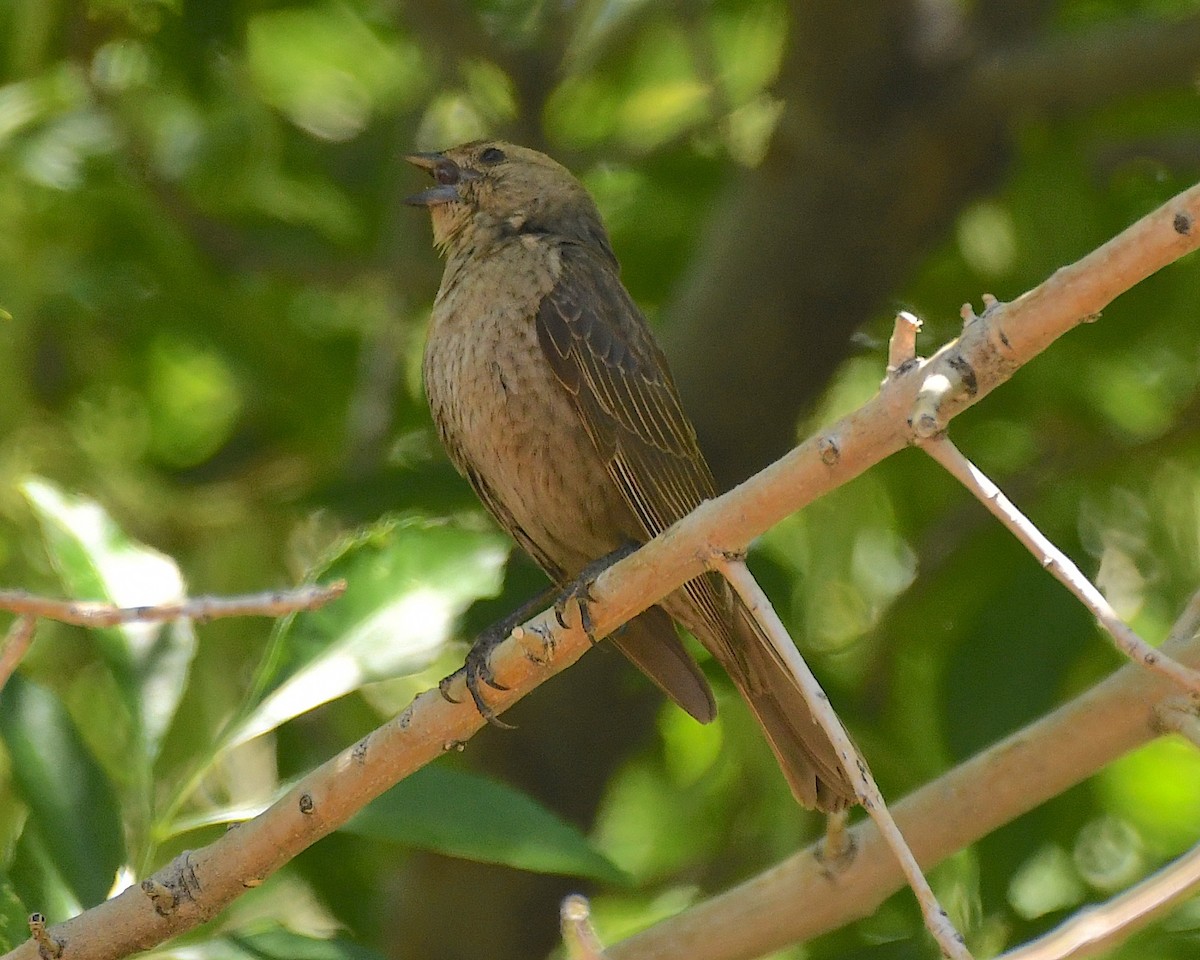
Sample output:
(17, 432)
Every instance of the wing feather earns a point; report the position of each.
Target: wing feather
(601, 350)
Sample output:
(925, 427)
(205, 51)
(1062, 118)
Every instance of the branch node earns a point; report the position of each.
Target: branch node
(174, 884)
(829, 450)
(162, 896)
(902, 347)
(579, 936)
(991, 304)
(1178, 715)
(49, 948)
(307, 804)
(938, 387)
(537, 643)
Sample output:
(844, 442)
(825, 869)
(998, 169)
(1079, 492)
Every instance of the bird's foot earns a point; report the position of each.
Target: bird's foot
(580, 589)
(837, 850)
(476, 671)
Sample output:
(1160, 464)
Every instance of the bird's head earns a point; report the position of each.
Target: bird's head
(489, 188)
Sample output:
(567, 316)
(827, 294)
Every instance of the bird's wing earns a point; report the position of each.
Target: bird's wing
(602, 351)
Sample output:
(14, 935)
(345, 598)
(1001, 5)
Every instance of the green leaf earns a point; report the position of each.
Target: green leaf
(13, 916)
(327, 68)
(70, 800)
(273, 943)
(37, 879)
(96, 560)
(408, 580)
(465, 815)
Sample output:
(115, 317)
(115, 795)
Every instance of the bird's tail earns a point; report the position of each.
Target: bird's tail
(711, 610)
(804, 751)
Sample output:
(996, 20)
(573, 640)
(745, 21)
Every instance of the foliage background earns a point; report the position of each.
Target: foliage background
(217, 302)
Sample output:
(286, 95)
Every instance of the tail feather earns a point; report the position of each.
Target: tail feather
(804, 751)
(650, 641)
(810, 764)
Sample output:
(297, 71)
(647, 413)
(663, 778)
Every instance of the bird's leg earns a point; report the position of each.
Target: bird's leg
(580, 588)
(837, 851)
(477, 671)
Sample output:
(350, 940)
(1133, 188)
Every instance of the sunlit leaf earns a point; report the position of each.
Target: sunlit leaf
(96, 560)
(1157, 788)
(327, 68)
(408, 580)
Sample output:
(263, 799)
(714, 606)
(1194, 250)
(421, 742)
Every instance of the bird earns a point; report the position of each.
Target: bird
(552, 398)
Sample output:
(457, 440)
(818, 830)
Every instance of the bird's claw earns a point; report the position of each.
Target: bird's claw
(446, 682)
(476, 673)
(580, 590)
(579, 593)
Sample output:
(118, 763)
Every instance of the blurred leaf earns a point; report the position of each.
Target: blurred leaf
(1157, 788)
(37, 878)
(194, 401)
(69, 798)
(13, 916)
(409, 579)
(462, 814)
(96, 560)
(274, 943)
(327, 68)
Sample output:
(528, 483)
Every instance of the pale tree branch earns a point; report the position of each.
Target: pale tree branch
(961, 806)
(579, 936)
(93, 613)
(30, 607)
(1057, 563)
(16, 642)
(1099, 928)
(991, 789)
(936, 920)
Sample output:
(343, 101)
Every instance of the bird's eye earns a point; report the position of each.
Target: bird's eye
(491, 156)
(446, 171)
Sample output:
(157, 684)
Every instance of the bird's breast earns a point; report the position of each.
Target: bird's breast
(505, 419)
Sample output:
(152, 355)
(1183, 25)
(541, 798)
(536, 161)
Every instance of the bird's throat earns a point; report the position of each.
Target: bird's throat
(450, 221)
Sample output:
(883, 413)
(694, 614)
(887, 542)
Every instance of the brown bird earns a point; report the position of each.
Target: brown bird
(554, 401)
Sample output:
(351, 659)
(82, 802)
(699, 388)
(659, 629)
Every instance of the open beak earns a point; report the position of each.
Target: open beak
(446, 172)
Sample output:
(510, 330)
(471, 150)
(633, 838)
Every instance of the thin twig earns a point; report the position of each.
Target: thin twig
(1058, 564)
(1178, 715)
(16, 642)
(902, 346)
(1005, 781)
(91, 613)
(579, 937)
(937, 921)
(1100, 928)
